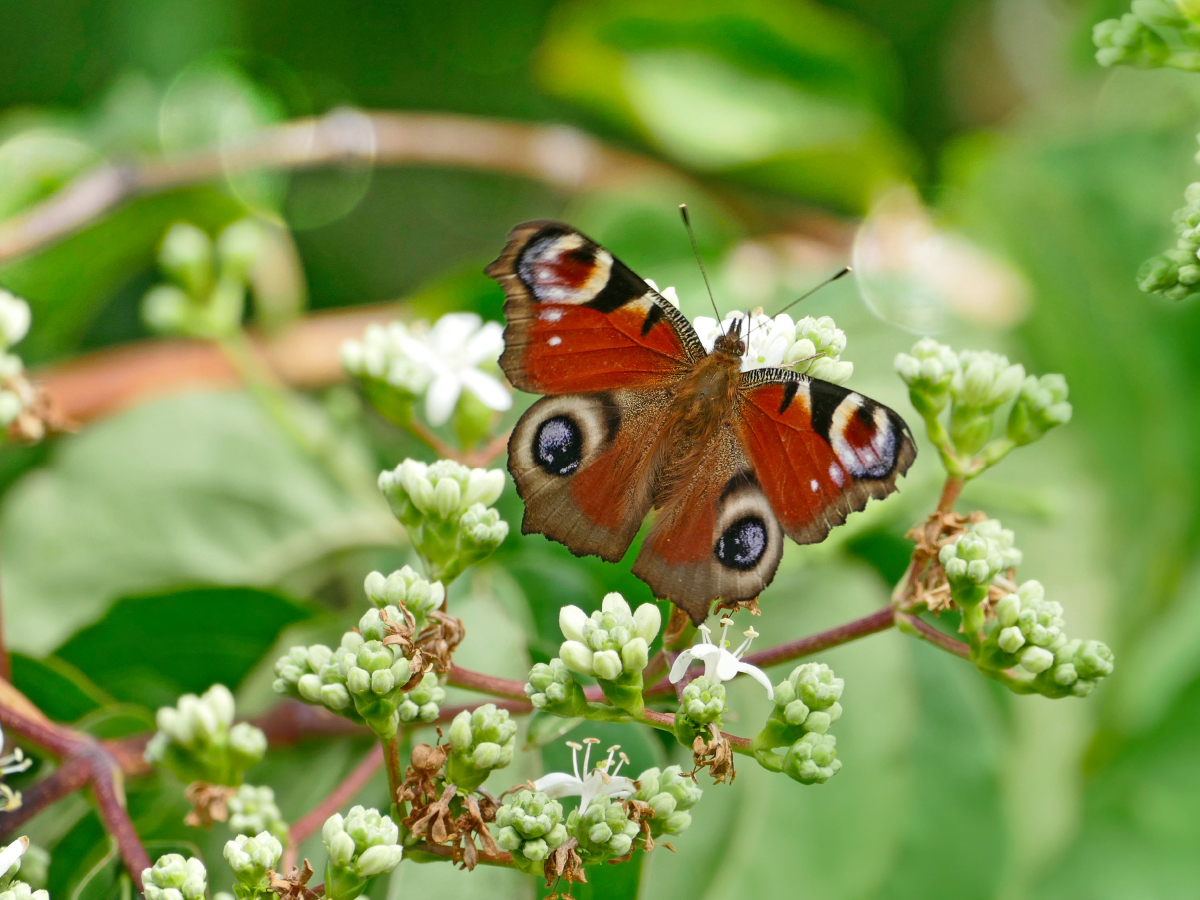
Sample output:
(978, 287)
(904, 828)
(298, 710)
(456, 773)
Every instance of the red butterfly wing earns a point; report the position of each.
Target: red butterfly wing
(580, 321)
(819, 451)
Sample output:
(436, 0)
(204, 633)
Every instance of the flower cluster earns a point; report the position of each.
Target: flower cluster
(173, 877)
(406, 588)
(529, 825)
(1137, 38)
(198, 741)
(806, 704)
(553, 688)
(252, 810)
(670, 795)
(811, 346)
(1175, 274)
(480, 741)
(362, 679)
(975, 384)
(12, 859)
(449, 364)
(423, 703)
(445, 508)
(16, 395)
(603, 830)
(976, 557)
(252, 860)
(1028, 631)
(207, 296)
(612, 645)
(361, 845)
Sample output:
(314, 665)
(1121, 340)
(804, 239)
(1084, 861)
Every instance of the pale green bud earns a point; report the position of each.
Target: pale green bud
(186, 255)
(10, 407)
(239, 246)
(14, 319)
(577, 657)
(1036, 659)
(928, 372)
(606, 664)
(1042, 404)
(571, 621)
(603, 830)
(251, 858)
(252, 810)
(378, 859)
(703, 702)
(812, 759)
(173, 877)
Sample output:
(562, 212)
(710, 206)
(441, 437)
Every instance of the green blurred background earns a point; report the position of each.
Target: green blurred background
(184, 540)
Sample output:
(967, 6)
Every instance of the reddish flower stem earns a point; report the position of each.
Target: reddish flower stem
(935, 637)
(311, 822)
(950, 491)
(110, 804)
(878, 621)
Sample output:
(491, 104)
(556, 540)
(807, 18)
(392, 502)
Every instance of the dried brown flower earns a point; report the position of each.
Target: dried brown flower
(563, 863)
(294, 886)
(716, 755)
(210, 803)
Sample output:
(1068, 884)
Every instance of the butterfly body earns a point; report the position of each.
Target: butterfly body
(638, 415)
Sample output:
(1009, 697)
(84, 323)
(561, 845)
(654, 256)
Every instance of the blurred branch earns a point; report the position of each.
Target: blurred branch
(303, 355)
(310, 823)
(557, 155)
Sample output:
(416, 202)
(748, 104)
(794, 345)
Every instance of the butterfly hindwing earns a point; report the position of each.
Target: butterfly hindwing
(716, 535)
(580, 320)
(584, 465)
(820, 451)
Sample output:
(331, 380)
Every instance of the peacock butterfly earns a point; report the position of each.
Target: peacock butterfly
(638, 416)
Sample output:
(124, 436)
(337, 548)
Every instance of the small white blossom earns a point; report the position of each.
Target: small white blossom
(667, 294)
(14, 318)
(593, 783)
(811, 346)
(720, 664)
(439, 362)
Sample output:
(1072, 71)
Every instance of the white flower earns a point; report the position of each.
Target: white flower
(594, 783)
(11, 855)
(452, 350)
(667, 294)
(811, 346)
(14, 318)
(15, 761)
(719, 663)
(381, 355)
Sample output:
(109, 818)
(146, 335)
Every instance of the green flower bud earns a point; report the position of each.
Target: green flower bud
(172, 877)
(252, 811)
(552, 688)
(14, 319)
(603, 830)
(481, 740)
(185, 254)
(976, 557)
(239, 247)
(196, 741)
(606, 664)
(423, 703)
(405, 588)
(391, 378)
(444, 508)
(703, 702)
(577, 657)
(612, 645)
(1041, 405)
(251, 858)
(360, 846)
(1128, 42)
(529, 825)
(812, 759)
(928, 372)
(670, 793)
(20, 890)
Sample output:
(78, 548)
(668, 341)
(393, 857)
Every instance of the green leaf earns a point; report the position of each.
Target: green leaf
(192, 488)
(152, 648)
(788, 96)
(545, 728)
(56, 687)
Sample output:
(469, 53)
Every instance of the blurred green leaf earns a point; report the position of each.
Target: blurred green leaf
(192, 488)
(56, 687)
(788, 96)
(152, 648)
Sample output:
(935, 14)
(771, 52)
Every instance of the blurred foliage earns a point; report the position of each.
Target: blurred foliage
(147, 528)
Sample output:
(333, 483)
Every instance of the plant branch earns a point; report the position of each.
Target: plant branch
(806, 646)
(950, 491)
(935, 637)
(666, 722)
(310, 823)
(110, 803)
(73, 775)
(561, 157)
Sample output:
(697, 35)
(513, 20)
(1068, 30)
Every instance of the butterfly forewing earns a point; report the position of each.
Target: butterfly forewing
(820, 451)
(579, 320)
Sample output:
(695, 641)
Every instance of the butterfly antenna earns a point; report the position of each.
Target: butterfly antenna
(687, 223)
(828, 281)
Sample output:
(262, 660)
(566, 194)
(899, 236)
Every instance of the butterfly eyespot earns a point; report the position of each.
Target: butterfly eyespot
(743, 543)
(558, 445)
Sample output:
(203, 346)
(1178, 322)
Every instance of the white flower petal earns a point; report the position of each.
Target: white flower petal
(680, 666)
(559, 784)
(452, 331)
(758, 675)
(12, 853)
(727, 666)
(491, 393)
(442, 398)
(485, 345)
